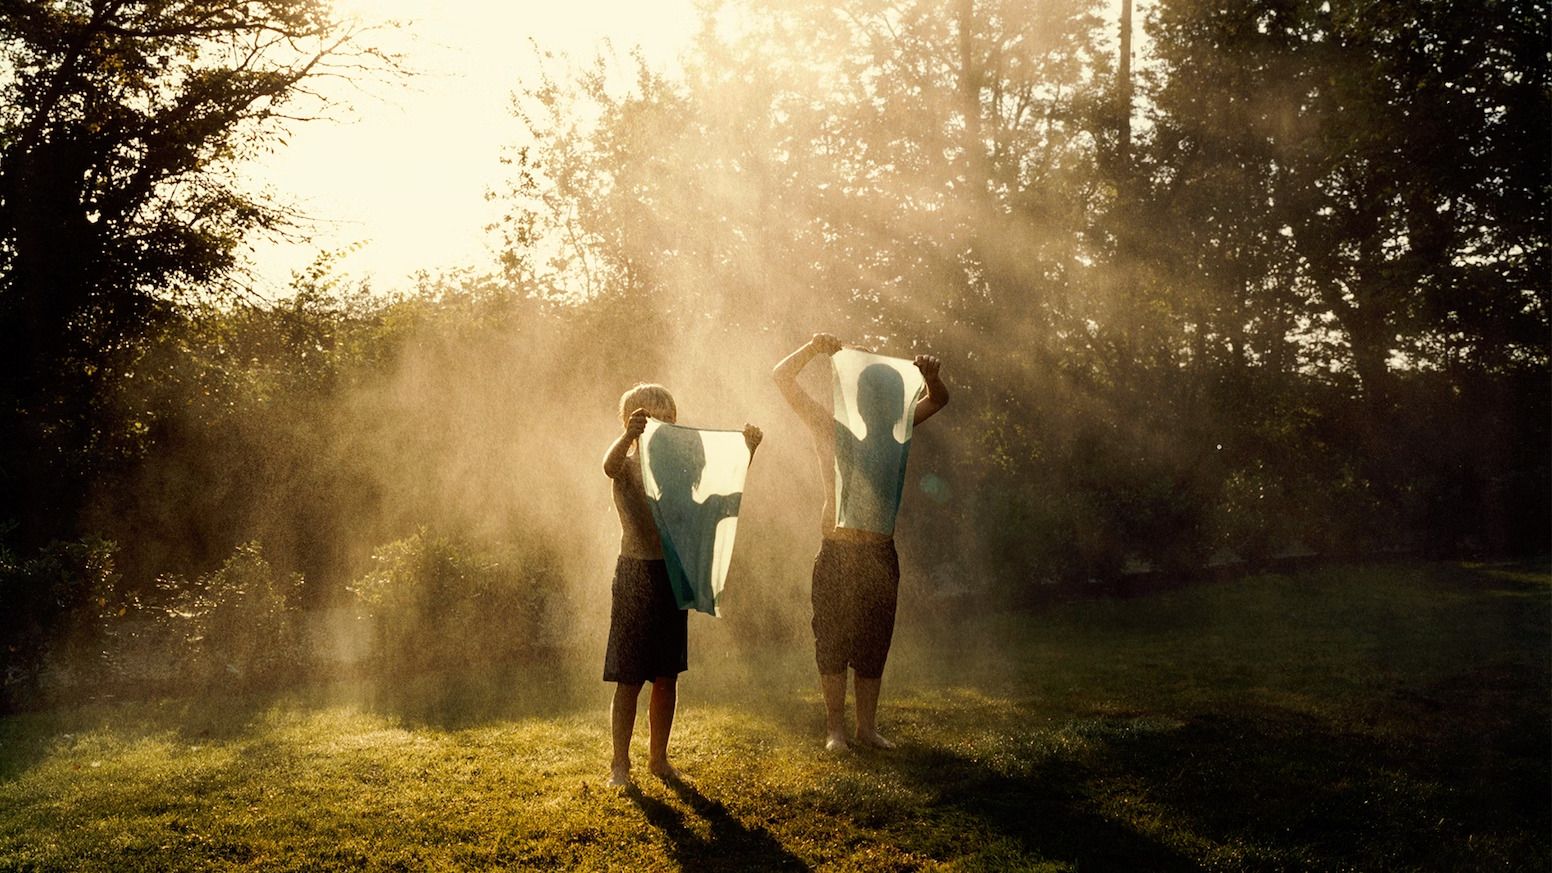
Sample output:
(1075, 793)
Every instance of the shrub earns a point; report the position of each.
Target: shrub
(49, 624)
(442, 604)
(241, 621)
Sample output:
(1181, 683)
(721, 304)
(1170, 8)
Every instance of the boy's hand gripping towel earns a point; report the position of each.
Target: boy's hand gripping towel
(875, 406)
(694, 480)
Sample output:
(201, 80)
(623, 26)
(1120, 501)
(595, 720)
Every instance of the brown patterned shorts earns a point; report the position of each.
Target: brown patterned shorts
(856, 585)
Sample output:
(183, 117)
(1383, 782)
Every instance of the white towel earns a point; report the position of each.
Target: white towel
(875, 407)
(694, 479)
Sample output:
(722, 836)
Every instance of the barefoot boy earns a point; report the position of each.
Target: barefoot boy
(857, 572)
(647, 629)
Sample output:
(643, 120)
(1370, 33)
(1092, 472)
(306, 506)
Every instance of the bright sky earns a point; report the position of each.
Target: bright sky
(405, 173)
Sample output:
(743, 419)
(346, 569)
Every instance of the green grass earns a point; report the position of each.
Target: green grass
(1392, 717)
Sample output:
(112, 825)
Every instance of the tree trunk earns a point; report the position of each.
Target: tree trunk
(970, 101)
(978, 306)
(1124, 94)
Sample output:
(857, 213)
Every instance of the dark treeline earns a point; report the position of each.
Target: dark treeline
(1280, 285)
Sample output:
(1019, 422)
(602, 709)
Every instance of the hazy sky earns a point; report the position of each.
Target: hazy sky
(405, 171)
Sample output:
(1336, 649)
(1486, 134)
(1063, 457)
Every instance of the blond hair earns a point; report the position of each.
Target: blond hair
(650, 396)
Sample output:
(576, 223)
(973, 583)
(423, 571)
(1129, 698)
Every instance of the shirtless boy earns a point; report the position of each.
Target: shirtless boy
(857, 572)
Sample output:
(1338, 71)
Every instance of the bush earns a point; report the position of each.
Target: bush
(50, 624)
(88, 634)
(241, 622)
(442, 604)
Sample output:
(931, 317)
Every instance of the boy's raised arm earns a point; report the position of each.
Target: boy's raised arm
(937, 392)
(786, 376)
(614, 459)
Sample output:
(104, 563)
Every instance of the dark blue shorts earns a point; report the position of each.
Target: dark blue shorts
(648, 636)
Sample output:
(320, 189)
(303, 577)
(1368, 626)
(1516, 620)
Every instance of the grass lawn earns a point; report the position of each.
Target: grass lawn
(1390, 717)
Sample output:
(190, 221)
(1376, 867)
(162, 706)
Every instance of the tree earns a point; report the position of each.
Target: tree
(1400, 149)
(1361, 195)
(124, 123)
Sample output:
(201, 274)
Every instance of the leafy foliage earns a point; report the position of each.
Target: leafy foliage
(440, 604)
(85, 632)
(52, 603)
(123, 126)
(240, 623)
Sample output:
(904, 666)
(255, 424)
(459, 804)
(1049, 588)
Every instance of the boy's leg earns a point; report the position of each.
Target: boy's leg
(878, 582)
(867, 713)
(622, 720)
(660, 717)
(831, 639)
(834, 687)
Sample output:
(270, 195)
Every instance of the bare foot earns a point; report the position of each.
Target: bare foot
(875, 740)
(836, 743)
(619, 776)
(665, 771)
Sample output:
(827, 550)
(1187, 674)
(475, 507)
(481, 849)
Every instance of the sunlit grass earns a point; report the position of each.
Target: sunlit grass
(1393, 717)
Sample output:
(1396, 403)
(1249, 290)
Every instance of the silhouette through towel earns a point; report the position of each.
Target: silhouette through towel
(875, 406)
(694, 479)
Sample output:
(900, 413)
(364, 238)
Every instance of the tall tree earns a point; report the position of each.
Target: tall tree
(1361, 195)
(1401, 149)
(123, 126)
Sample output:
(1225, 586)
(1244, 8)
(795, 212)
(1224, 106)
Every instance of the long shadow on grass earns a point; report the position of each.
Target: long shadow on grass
(733, 845)
(1285, 789)
(1045, 808)
(1335, 796)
